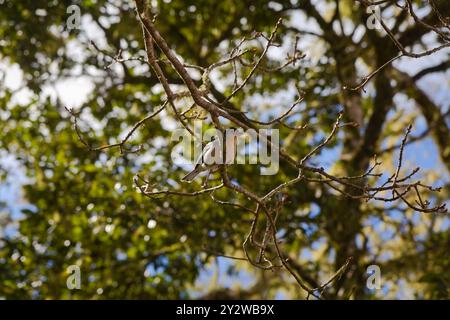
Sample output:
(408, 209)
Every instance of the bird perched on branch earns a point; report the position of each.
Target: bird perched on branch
(212, 155)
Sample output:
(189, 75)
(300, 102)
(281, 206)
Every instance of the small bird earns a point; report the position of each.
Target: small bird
(210, 159)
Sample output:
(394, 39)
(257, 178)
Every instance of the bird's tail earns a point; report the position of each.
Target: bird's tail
(191, 175)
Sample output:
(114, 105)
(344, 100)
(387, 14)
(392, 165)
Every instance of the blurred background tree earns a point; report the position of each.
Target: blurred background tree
(85, 210)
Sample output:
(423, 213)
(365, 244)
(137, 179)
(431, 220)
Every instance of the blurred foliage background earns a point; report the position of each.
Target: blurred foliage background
(82, 208)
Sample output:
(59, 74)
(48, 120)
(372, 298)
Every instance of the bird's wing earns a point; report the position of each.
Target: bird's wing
(210, 152)
(209, 147)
